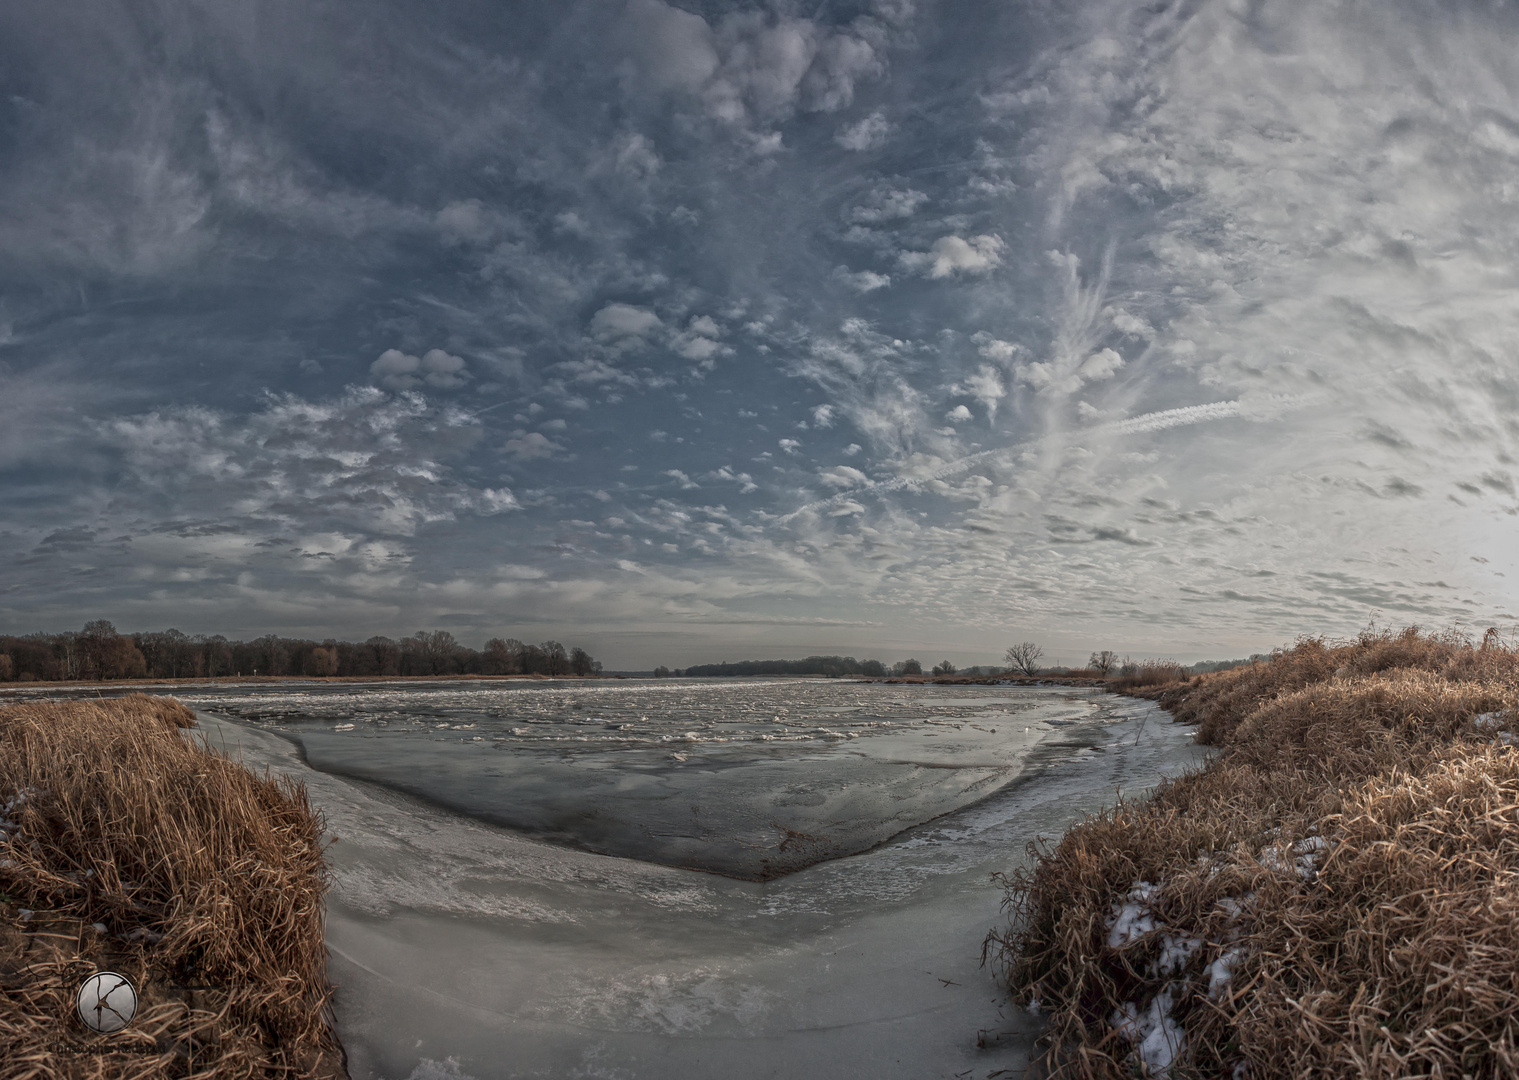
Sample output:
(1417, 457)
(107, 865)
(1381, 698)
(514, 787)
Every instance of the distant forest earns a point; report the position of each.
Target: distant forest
(812, 665)
(99, 652)
(835, 666)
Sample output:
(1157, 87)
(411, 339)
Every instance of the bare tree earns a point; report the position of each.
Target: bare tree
(556, 661)
(1104, 661)
(1024, 656)
(500, 658)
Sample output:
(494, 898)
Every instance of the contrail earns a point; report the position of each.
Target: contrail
(1134, 425)
(1169, 418)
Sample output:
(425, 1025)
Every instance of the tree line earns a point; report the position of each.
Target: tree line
(833, 666)
(98, 651)
(829, 666)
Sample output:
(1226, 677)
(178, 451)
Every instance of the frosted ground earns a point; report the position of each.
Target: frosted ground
(513, 894)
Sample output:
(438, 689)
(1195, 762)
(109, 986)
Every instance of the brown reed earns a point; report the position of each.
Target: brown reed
(202, 874)
(1395, 955)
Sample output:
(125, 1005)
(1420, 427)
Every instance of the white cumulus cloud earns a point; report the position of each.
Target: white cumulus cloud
(954, 255)
(842, 476)
(863, 281)
(528, 445)
(617, 322)
(985, 386)
(867, 134)
(435, 368)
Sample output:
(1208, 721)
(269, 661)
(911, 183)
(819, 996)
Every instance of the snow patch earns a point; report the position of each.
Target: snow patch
(1221, 973)
(1490, 721)
(1133, 918)
(1302, 858)
(1175, 953)
(1159, 1039)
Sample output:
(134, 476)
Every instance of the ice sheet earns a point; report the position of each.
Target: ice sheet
(468, 950)
(751, 780)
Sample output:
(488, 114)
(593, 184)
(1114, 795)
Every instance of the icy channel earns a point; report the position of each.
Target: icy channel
(467, 948)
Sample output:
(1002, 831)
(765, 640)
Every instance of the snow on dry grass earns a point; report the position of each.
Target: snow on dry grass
(1335, 894)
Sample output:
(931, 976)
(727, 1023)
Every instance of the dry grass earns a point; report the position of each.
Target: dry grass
(1146, 674)
(1391, 952)
(202, 874)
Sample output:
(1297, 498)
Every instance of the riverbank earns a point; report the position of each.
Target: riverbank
(126, 848)
(999, 680)
(1333, 894)
(277, 680)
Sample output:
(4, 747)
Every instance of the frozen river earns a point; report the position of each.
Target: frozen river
(682, 880)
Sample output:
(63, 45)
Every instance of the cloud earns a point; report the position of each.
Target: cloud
(842, 476)
(619, 323)
(958, 415)
(985, 385)
(571, 222)
(466, 221)
(823, 416)
(495, 501)
(1004, 352)
(750, 67)
(744, 480)
(699, 341)
(869, 133)
(636, 157)
(1100, 365)
(952, 255)
(862, 281)
(368, 462)
(1121, 535)
(791, 446)
(886, 204)
(1131, 325)
(673, 48)
(435, 368)
(531, 445)
(593, 371)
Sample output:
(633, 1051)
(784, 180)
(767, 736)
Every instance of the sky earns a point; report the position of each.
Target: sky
(700, 331)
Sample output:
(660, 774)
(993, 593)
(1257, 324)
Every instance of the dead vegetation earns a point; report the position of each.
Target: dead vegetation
(1146, 673)
(130, 849)
(1335, 895)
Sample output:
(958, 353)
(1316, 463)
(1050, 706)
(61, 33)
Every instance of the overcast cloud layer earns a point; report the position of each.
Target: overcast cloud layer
(699, 331)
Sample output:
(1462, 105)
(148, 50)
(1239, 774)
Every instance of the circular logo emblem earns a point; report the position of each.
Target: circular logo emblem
(106, 1002)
